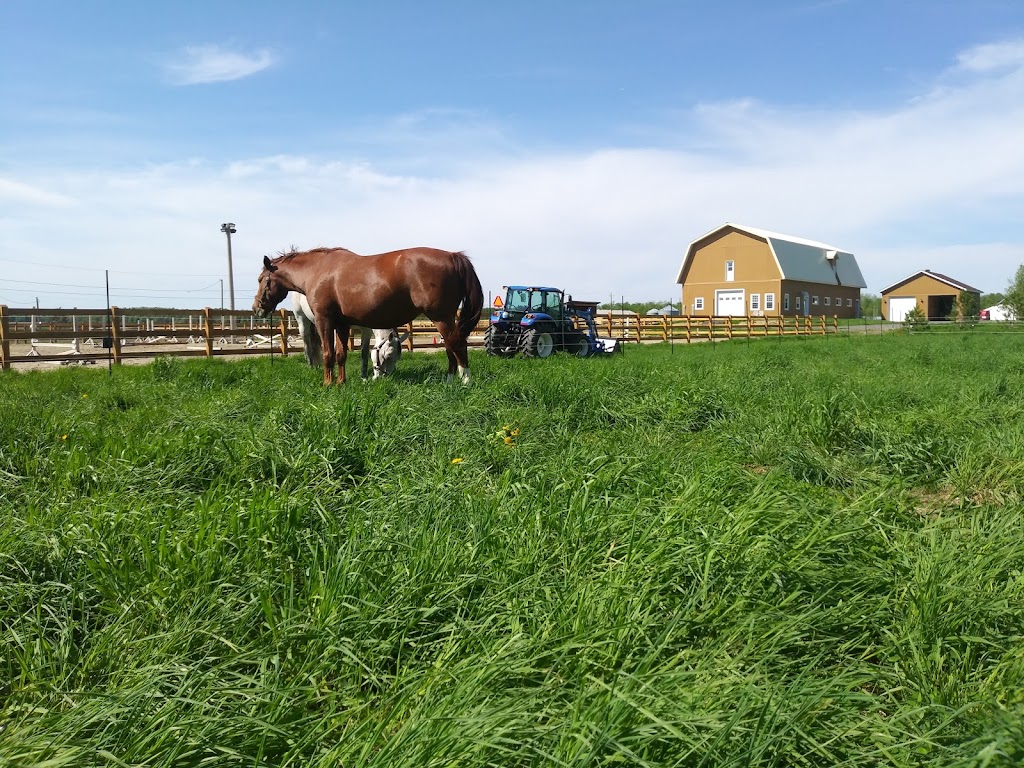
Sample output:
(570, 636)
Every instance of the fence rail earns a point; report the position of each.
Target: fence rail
(89, 335)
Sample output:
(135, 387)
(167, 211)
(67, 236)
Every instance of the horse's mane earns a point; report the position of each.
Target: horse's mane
(292, 252)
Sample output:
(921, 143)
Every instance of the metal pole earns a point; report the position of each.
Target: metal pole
(229, 229)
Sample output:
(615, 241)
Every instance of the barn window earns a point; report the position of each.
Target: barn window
(828, 301)
(785, 302)
(814, 301)
(730, 271)
(769, 301)
(755, 302)
(849, 302)
(698, 303)
(798, 302)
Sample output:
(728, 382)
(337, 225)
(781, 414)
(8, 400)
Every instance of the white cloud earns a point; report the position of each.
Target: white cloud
(213, 64)
(993, 56)
(15, 192)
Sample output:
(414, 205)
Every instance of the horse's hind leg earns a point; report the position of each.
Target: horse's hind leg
(364, 370)
(326, 330)
(342, 351)
(456, 349)
(310, 341)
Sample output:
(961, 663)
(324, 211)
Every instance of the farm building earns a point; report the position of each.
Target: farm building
(668, 310)
(998, 312)
(738, 270)
(932, 293)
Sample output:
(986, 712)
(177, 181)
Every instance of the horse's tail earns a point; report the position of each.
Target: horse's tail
(473, 295)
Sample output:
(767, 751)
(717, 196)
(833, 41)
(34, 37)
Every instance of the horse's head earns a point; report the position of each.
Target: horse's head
(271, 290)
(385, 353)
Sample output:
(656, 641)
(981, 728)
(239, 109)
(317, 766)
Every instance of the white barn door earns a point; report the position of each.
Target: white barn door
(730, 302)
(899, 307)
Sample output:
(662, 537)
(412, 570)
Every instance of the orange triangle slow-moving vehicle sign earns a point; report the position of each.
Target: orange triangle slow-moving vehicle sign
(498, 302)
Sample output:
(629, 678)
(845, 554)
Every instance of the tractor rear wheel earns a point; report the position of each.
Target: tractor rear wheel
(497, 343)
(538, 343)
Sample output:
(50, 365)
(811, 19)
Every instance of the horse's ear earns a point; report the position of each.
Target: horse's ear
(268, 264)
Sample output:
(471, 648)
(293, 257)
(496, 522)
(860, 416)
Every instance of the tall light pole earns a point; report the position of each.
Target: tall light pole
(229, 229)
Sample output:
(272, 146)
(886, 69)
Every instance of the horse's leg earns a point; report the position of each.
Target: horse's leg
(310, 340)
(326, 330)
(461, 350)
(364, 371)
(342, 350)
(452, 345)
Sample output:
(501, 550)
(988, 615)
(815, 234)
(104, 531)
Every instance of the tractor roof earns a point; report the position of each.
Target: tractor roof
(531, 288)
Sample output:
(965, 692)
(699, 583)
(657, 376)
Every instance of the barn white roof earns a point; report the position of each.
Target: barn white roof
(797, 258)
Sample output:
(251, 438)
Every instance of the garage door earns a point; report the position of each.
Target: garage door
(899, 307)
(729, 302)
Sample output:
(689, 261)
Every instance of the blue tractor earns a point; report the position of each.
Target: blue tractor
(539, 322)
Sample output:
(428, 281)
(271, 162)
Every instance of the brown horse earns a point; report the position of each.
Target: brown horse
(381, 291)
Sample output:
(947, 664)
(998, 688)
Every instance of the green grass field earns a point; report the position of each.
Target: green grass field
(778, 552)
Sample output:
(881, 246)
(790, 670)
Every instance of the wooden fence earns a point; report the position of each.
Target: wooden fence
(88, 335)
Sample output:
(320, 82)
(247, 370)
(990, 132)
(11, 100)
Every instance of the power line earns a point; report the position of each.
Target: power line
(112, 271)
(86, 285)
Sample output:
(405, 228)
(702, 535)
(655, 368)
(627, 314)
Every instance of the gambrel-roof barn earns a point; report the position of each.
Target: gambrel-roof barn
(740, 270)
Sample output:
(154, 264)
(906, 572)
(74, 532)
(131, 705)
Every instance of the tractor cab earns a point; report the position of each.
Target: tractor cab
(521, 301)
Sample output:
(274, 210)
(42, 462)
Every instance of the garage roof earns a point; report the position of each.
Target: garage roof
(941, 278)
(797, 258)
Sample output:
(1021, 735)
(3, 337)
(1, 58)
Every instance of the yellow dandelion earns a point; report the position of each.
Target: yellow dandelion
(457, 460)
(85, 395)
(508, 440)
(63, 437)
(515, 432)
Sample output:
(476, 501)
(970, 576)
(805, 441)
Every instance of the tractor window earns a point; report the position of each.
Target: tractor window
(536, 301)
(552, 305)
(518, 301)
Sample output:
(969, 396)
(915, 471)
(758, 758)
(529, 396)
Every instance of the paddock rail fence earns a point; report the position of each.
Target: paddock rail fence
(69, 336)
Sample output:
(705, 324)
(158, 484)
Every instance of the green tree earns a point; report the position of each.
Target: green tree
(1015, 294)
(916, 320)
(870, 305)
(991, 299)
(966, 308)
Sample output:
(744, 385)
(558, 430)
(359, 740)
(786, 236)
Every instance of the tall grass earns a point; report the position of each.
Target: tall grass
(795, 552)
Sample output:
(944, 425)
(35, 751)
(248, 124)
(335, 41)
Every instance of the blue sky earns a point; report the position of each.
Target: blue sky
(577, 143)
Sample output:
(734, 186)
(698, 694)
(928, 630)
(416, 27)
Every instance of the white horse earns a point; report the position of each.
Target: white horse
(386, 349)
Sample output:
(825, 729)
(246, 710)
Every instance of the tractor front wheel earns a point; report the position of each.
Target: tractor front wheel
(538, 343)
(581, 346)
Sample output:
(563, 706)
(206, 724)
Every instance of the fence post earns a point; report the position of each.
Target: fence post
(115, 334)
(283, 315)
(687, 329)
(5, 342)
(208, 331)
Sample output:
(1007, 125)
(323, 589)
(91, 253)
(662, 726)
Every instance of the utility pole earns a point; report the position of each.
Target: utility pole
(229, 229)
